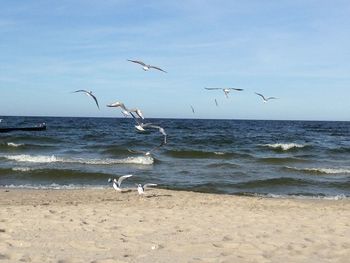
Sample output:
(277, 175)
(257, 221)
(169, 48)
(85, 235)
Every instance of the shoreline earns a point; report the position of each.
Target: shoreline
(90, 225)
(133, 189)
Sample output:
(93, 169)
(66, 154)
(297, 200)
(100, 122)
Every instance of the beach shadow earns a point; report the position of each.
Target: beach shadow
(160, 195)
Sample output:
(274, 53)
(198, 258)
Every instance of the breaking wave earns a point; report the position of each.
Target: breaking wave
(284, 146)
(146, 160)
(320, 170)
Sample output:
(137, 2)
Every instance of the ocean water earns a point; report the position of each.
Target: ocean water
(273, 158)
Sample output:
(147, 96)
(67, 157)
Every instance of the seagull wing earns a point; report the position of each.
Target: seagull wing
(192, 109)
(122, 178)
(149, 185)
(260, 95)
(216, 102)
(150, 66)
(138, 112)
(271, 98)
(92, 96)
(236, 89)
(212, 88)
(137, 61)
(81, 90)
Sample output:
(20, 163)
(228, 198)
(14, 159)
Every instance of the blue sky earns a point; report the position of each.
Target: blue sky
(295, 50)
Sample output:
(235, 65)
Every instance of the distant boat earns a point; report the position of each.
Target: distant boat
(40, 127)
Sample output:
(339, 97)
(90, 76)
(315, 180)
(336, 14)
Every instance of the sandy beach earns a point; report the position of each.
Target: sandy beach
(168, 226)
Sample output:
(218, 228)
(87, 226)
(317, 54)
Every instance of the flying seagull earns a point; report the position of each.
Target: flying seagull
(216, 103)
(89, 93)
(141, 188)
(143, 127)
(266, 99)
(127, 112)
(192, 109)
(117, 104)
(138, 113)
(225, 90)
(117, 184)
(146, 67)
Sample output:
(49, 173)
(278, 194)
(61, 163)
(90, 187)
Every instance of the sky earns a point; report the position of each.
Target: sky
(295, 50)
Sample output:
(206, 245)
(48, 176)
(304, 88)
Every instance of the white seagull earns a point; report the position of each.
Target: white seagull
(225, 90)
(143, 127)
(138, 113)
(146, 67)
(124, 110)
(141, 188)
(88, 93)
(127, 112)
(266, 99)
(117, 184)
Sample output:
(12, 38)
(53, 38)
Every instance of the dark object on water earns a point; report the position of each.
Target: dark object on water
(40, 127)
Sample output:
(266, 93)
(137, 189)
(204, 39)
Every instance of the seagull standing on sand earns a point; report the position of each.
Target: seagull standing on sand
(225, 90)
(88, 93)
(141, 188)
(117, 184)
(146, 67)
(266, 99)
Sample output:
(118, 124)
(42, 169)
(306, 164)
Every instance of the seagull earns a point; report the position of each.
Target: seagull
(127, 112)
(143, 127)
(138, 113)
(116, 184)
(124, 110)
(225, 90)
(89, 93)
(266, 99)
(161, 130)
(141, 188)
(216, 102)
(192, 109)
(146, 67)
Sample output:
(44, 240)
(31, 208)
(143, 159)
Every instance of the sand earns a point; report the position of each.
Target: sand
(168, 226)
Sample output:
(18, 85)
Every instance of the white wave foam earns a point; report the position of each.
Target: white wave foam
(284, 146)
(322, 170)
(12, 144)
(146, 160)
(21, 169)
(219, 153)
(54, 186)
(281, 196)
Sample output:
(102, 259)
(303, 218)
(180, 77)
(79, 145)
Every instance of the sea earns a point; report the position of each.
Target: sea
(298, 159)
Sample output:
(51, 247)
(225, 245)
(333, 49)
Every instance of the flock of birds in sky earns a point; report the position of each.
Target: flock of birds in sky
(142, 127)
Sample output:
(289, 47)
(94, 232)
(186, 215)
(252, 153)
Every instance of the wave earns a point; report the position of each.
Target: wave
(276, 160)
(223, 165)
(54, 186)
(342, 149)
(203, 154)
(320, 170)
(24, 146)
(146, 160)
(21, 169)
(284, 146)
(293, 196)
(12, 144)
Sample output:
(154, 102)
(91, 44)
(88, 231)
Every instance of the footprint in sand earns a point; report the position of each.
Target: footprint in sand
(4, 256)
